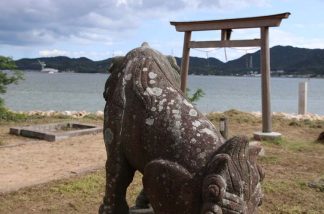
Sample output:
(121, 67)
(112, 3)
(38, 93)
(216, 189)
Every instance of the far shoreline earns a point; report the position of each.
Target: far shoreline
(202, 75)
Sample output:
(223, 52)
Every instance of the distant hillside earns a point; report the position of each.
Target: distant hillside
(286, 60)
(203, 66)
(65, 64)
(290, 60)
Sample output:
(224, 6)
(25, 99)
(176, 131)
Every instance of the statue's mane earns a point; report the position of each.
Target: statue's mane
(135, 68)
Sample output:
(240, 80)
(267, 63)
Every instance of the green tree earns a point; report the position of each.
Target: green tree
(199, 93)
(6, 78)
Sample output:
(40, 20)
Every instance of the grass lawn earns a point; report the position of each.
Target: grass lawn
(290, 164)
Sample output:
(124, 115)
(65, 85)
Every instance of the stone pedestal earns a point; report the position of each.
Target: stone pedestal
(266, 135)
(141, 211)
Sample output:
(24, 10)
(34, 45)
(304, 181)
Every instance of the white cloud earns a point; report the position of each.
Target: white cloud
(95, 55)
(30, 22)
(52, 53)
(280, 37)
(118, 53)
(231, 4)
(47, 24)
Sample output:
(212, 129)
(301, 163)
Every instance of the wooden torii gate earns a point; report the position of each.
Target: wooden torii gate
(226, 26)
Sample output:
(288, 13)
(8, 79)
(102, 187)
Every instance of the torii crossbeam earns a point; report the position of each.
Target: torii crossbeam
(226, 26)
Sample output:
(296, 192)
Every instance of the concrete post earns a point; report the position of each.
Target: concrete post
(302, 101)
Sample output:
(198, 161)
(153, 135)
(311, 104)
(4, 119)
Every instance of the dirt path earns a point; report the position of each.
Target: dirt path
(41, 161)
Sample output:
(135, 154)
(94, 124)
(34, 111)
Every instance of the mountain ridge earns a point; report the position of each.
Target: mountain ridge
(285, 60)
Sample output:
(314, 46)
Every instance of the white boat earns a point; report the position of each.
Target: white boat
(47, 70)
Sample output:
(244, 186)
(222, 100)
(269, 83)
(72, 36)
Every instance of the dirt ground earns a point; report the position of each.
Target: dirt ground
(26, 162)
(290, 164)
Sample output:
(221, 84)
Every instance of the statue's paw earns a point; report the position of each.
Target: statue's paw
(232, 204)
(211, 208)
(214, 187)
(217, 200)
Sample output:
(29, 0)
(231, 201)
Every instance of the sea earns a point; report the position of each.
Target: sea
(83, 92)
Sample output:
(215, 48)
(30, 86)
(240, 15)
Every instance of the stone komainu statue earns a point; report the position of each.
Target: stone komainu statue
(186, 164)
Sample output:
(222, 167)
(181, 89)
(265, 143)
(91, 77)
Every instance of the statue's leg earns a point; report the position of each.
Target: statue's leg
(169, 188)
(142, 201)
(119, 174)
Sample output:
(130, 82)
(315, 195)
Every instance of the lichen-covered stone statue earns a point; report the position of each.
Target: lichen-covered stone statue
(186, 164)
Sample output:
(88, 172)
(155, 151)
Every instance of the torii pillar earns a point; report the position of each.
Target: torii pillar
(226, 26)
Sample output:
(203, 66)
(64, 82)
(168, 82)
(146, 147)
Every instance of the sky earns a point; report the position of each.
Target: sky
(100, 29)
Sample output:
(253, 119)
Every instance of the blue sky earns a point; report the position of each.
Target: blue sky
(99, 29)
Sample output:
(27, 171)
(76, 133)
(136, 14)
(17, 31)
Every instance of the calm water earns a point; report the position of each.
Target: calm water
(70, 91)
